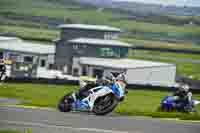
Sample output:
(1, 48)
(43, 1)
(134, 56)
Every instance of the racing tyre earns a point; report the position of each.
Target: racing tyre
(105, 104)
(64, 104)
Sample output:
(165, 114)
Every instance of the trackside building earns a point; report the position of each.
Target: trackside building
(137, 71)
(93, 50)
(26, 59)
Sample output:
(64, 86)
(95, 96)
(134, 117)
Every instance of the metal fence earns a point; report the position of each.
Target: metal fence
(194, 84)
(41, 81)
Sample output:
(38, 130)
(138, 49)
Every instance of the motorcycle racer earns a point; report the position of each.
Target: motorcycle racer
(106, 81)
(183, 94)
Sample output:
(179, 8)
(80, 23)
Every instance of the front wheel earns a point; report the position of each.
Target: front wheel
(64, 104)
(105, 104)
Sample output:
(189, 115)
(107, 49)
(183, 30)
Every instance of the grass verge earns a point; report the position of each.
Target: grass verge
(30, 33)
(184, 45)
(137, 102)
(8, 131)
(146, 103)
(36, 94)
(71, 12)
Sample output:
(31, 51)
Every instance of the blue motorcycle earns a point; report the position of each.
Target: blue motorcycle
(101, 100)
(171, 103)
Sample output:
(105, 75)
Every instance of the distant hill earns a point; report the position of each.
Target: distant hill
(23, 16)
(137, 7)
(158, 9)
(152, 13)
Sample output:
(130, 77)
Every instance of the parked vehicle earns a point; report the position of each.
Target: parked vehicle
(100, 100)
(170, 103)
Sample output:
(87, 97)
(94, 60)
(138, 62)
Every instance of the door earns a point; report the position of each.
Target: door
(98, 73)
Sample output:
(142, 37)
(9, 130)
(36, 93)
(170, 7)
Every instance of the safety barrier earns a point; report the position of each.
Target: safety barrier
(194, 85)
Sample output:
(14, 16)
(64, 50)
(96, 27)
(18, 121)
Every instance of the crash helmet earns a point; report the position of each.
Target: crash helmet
(121, 77)
(185, 88)
(121, 80)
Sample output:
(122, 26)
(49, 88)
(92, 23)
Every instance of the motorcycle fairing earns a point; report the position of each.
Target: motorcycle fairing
(118, 90)
(87, 103)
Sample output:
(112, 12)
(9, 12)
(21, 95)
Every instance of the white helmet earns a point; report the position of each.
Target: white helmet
(186, 87)
(121, 77)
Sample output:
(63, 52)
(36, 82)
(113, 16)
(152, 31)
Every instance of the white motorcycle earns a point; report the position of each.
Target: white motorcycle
(100, 100)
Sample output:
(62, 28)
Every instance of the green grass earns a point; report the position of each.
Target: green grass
(157, 28)
(84, 14)
(35, 94)
(137, 102)
(161, 44)
(30, 33)
(8, 131)
(168, 54)
(54, 9)
(146, 102)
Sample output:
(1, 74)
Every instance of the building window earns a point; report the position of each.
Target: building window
(51, 66)
(110, 36)
(15, 57)
(42, 63)
(28, 59)
(116, 52)
(107, 36)
(114, 36)
(21, 67)
(1, 55)
(75, 72)
(75, 46)
(84, 71)
(98, 73)
(108, 52)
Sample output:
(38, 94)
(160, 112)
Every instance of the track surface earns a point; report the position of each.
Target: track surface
(49, 121)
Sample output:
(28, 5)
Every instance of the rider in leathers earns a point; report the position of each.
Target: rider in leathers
(184, 95)
(107, 81)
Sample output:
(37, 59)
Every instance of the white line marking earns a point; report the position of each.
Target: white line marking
(21, 123)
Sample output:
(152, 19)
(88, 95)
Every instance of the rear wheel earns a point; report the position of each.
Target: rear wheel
(105, 104)
(64, 104)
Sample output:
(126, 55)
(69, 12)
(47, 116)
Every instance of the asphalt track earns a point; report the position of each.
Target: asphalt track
(51, 121)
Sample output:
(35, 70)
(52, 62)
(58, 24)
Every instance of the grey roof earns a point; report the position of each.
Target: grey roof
(16, 44)
(120, 63)
(90, 27)
(104, 42)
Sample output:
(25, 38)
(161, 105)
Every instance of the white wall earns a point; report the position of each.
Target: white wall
(51, 59)
(106, 72)
(48, 74)
(161, 76)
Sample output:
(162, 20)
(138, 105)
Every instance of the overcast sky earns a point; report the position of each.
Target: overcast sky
(170, 2)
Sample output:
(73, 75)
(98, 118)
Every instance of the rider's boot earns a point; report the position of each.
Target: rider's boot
(74, 96)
